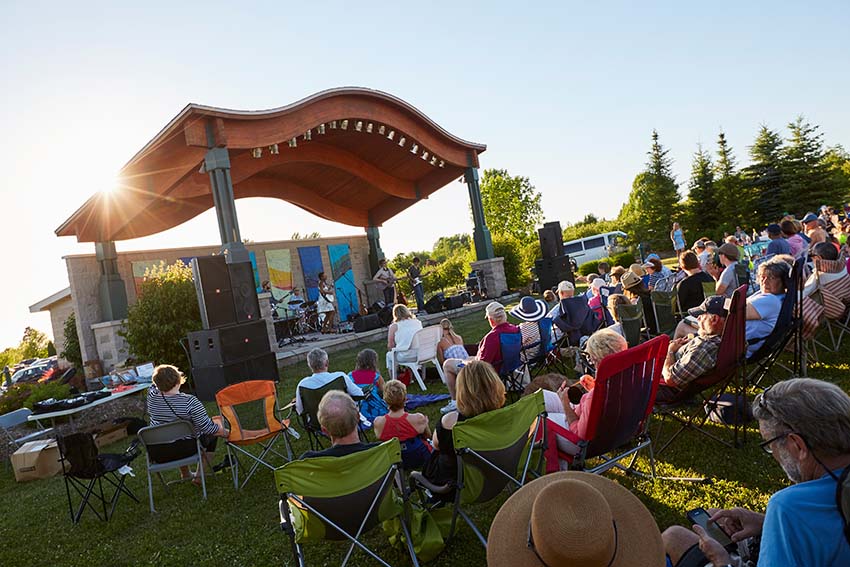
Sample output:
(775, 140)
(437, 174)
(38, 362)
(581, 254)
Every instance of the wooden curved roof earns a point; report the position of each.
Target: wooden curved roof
(351, 155)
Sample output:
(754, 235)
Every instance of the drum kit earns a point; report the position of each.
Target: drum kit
(297, 317)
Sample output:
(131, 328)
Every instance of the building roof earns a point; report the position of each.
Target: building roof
(46, 303)
(351, 155)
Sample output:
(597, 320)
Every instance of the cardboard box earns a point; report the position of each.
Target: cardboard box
(36, 459)
(109, 434)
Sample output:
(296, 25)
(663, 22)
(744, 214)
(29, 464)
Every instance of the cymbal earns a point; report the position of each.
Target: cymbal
(307, 304)
(295, 302)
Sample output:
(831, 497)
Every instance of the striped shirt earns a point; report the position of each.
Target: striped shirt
(165, 409)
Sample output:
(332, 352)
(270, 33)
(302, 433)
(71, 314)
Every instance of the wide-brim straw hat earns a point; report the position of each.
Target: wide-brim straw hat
(529, 309)
(571, 519)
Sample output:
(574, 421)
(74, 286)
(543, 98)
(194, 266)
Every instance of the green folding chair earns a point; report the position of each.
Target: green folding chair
(631, 317)
(664, 306)
(494, 451)
(342, 498)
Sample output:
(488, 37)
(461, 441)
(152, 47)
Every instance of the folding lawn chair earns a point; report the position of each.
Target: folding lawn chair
(83, 468)
(310, 398)
(632, 319)
(545, 355)
(165, 434)
(623, 395)
(576, 319)
(709, 389)
(788, 327)
(17, 418)
(511, 371)
(494, 451)
(664, 306)
(342, 498)
(234, 403)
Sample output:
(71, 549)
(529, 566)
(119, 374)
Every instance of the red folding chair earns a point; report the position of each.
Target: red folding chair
(708, 389)
(623, 396)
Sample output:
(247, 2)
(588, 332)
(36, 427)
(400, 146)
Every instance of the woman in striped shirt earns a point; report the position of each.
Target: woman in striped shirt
(166, 403)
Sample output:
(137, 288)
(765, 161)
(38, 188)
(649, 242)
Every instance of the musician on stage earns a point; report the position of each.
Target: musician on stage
(325, 303)
(414, 274)
(385, 279)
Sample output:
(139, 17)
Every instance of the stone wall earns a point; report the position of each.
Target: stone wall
(83, 275)
(59, 313)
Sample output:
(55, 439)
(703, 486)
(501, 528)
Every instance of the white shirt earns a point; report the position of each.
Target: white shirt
(319, 379)
(405, 329)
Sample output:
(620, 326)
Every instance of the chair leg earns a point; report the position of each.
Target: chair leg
(203, 477)
(439, 369)
(415, 369)
(408, 540)
(472, 525)
(150, 490)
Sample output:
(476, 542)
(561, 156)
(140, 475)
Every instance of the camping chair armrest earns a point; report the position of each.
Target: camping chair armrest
(418, 478)
(290, 406)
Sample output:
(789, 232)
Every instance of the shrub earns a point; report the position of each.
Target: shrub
(45, 391)
(72, 352)
(166, 311)
(15, 397)
(509, 248)
(590, 267)
(450, 273)
(624, 259)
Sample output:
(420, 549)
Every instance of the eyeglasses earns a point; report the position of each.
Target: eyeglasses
(762, 403)
(766, 445)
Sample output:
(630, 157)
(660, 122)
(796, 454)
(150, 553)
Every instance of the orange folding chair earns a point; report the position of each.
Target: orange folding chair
(236, 402)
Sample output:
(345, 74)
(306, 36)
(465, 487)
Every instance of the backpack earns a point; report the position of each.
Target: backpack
(372, 405)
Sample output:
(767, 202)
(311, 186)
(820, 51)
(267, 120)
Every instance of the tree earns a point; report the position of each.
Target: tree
(701, 205)
(654, 201)
(33, 344)
(307, 236)
(448, 246)
(166, 311)
(583, 229)
(511, 204)
(72, 352)
(810, 183)
(837, 161)
(734, 205)
(511, 249)
(763, 178)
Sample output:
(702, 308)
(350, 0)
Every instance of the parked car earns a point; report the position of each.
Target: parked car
(34, 372)
(595, 247)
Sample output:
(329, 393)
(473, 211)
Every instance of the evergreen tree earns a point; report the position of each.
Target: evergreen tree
(653, 204)
(701, 206)
(810, 183)
(837, 160)
(763, 178)
(733, 203)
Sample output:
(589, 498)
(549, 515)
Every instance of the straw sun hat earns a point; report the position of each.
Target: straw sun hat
(574, 519)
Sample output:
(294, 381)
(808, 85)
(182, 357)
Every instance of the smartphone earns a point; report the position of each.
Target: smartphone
(700, 517)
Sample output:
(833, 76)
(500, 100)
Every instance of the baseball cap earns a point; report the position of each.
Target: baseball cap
(700, 244)
(774, 229)
(810, 217)
(566, 286)
(493, 308)
(713, 305)
(729, 250)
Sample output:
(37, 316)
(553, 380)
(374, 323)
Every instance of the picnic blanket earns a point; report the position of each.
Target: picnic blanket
(418, 400)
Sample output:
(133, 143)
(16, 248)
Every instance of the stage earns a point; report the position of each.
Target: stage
(295, 353)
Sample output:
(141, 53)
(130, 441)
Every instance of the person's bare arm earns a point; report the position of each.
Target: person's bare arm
(391, 336)
(752, 313)
(420, 423)
(378, 424)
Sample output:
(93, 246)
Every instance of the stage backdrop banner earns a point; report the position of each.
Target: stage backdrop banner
(346, 291)
(139, 269)
(280, 272)
(311, 265)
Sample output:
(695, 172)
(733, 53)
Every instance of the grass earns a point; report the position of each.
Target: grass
(242, 528)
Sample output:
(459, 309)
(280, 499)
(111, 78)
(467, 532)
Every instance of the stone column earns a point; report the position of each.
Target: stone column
(493, 270)
(112, 295)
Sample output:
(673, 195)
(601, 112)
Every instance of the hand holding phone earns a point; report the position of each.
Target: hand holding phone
(700, 517)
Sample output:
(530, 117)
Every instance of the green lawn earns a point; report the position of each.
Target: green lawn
(242, 528)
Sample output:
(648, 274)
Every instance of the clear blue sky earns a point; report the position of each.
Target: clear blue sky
(565, 93)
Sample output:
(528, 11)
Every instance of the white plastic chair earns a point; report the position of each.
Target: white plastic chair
(423, 349)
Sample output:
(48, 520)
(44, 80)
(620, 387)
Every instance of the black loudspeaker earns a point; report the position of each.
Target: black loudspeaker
(435, 304)
(367, 323)
(210, 379)
(228, 344)
(244, 292)
(215, 297)
(376, 307)
(385, 315)
(551, 240)
(453, 302)
(551, 271)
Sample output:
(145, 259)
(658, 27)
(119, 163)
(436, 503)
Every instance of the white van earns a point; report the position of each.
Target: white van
(595, 247)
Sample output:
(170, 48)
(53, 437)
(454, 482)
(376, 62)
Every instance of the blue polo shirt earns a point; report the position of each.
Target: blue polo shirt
(803, 526)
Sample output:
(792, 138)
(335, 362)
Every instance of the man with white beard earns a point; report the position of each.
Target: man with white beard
(805, 424)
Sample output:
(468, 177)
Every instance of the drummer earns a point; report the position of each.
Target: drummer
(295, 301)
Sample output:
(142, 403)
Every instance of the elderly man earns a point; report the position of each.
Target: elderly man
(828, 269)
(489, 349)
(565, 289)
(814, 231)
(805, 424)
(317, 360)
(339, 417)
(689, 358)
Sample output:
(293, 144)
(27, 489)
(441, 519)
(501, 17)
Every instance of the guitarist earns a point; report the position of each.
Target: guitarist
(414, 274)
(385, 279)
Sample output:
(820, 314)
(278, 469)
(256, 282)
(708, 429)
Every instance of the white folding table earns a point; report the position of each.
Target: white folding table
(70, 412)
